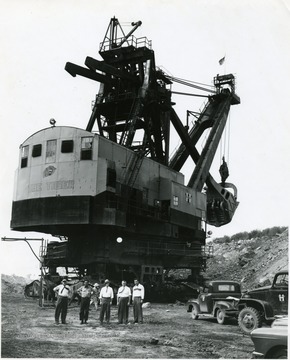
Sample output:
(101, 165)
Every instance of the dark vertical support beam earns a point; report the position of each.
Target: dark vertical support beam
(166, 133)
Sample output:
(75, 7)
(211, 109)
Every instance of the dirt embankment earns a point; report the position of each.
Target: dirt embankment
(13, 284)
(252, 262)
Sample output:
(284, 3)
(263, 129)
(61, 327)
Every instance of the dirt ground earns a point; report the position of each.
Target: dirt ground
(29, 331)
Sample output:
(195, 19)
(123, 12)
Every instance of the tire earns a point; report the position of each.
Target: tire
(194, 312)
(220, 316)
(249, 319)
(279, 354)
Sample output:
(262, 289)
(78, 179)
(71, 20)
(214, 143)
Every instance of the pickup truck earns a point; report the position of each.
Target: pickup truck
(217, 299)
(264, 304)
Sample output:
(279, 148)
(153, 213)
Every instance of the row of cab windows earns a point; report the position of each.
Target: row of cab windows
(66, 147)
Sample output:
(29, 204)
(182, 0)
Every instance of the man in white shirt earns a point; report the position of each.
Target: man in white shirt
(138, 297)
(106, 298)
(63, 292)
(123, 302)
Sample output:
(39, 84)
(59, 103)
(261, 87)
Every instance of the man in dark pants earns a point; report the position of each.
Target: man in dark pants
(85, 293)
(138, 297)
(63, 292)
(106, 298)
(123, 302)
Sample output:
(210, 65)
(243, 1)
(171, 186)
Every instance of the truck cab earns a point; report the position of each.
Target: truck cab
(217, 299)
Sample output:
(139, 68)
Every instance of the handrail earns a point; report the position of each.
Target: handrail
(131, 41)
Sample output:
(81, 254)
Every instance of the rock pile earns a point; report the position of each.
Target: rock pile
(252, 262)
(13, 284)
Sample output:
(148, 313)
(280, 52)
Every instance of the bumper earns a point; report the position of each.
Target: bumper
(257, 355)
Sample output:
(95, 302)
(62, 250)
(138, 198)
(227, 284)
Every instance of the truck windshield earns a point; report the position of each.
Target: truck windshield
(282, 279)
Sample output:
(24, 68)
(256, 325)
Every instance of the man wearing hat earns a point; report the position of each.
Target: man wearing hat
(63, 292)
(106, 298)
(85, 293)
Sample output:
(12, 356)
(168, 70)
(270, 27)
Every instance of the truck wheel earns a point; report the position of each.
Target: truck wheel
(220, 316)
(249, 319)
(194, 312)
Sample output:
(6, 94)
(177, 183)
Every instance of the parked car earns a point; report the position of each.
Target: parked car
(263, 304)
(218, 299)
(271, 342)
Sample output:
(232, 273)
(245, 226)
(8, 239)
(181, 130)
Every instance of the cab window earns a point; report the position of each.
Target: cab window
(67, 146)
(24, 156)
(36, 150)
(282, 280)
(50, 151)
(86, 148)
(175, 200)
(226, 287)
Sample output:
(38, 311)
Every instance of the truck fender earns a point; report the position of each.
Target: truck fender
(223, 305)
(190, 306)
(262, 306)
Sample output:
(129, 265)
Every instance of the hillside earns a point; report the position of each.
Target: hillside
(13, 284)
(253, 262)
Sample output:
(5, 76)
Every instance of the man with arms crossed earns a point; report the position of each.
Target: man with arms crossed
(85, 293)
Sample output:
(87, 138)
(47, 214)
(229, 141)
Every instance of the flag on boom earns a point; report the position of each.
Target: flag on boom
(222, 60)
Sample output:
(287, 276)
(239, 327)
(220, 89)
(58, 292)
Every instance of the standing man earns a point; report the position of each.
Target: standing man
(85, 293)
(63, 292)
(138, 297)
(96, 295)
(106, 298)
(123, 302)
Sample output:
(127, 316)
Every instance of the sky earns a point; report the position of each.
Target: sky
(189, 37)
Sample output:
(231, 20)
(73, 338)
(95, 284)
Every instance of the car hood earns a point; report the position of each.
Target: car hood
(262, 288)
(270, 333)
(280, 321)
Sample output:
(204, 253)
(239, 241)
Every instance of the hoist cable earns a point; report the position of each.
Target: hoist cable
(225, 141)
(191, 84)
(183, 93)
(229, 134)
(32, 251)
